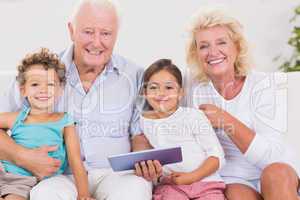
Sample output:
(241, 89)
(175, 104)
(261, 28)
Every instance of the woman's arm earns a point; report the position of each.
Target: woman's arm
(75, 162)
(238, 132)
(259, 149)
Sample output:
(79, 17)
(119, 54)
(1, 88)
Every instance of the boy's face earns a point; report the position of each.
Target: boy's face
(42, 87)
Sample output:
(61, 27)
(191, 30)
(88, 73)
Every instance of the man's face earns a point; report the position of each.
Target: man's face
(94, 33)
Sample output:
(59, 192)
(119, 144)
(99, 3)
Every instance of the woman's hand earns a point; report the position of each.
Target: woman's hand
(149, 170)
(218, 118)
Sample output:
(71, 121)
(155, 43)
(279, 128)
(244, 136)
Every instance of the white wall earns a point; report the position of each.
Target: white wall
(150, 29)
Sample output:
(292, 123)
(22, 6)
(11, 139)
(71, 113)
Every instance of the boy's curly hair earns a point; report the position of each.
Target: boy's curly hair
(45, 58)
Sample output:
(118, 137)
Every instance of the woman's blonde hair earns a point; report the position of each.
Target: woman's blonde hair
(206, 18)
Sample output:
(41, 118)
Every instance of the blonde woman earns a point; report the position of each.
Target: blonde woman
(242, 106)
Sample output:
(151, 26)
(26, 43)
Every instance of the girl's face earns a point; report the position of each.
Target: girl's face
(163, 92)
(42, 88)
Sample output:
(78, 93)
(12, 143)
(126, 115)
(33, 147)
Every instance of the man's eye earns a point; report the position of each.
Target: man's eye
(106, 34)
(88, 32)
(34, 84)
(51, 84)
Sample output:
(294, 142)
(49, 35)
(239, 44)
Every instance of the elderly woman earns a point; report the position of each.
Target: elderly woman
(243, 107)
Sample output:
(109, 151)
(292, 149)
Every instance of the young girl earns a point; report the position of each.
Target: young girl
(41, 77)
(166, 124)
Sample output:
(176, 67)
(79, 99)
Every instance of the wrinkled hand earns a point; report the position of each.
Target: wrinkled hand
(149, 170)
(217, 117)
(182, 178)
(38, 161)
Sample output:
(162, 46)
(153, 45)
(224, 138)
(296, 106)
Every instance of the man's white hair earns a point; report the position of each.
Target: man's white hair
(113, 4)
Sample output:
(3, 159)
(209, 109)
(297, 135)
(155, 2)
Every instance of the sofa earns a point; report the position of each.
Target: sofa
(293, 96)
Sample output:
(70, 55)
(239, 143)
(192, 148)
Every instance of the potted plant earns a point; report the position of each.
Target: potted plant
(293, 64)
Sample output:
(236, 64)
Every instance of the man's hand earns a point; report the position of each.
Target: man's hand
(149, 170)
(38, 162)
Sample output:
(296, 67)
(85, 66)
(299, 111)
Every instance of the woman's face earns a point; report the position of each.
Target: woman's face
(216, 51)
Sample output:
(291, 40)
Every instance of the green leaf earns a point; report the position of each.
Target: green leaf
(297, 10)
(293, 63)
(297, 30)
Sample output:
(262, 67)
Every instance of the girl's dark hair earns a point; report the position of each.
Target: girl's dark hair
(159, 65)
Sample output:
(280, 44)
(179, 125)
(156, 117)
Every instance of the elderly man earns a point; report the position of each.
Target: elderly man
(99, 94)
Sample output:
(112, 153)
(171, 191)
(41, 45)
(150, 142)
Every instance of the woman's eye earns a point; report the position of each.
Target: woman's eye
(34, 84)
(222, 42)
(203, 46)
(51, 84)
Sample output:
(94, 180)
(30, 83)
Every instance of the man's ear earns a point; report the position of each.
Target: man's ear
(71, 31)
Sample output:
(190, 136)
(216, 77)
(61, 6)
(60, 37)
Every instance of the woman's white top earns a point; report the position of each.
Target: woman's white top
(262, 106)
(190, 129)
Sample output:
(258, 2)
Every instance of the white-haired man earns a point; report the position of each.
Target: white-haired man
(99, 94)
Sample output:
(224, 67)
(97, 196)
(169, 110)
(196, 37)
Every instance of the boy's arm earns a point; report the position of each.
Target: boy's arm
(75, 162)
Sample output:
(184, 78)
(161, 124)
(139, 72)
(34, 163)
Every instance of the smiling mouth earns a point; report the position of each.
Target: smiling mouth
(42, 98)
(216, 61)
(94, 52)
(162, 101)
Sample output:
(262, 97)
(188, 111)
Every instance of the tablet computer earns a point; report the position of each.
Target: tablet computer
(127, 161)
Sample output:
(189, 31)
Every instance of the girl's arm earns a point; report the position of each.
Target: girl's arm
(208, 167)
(75, 162)
(208, 141)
